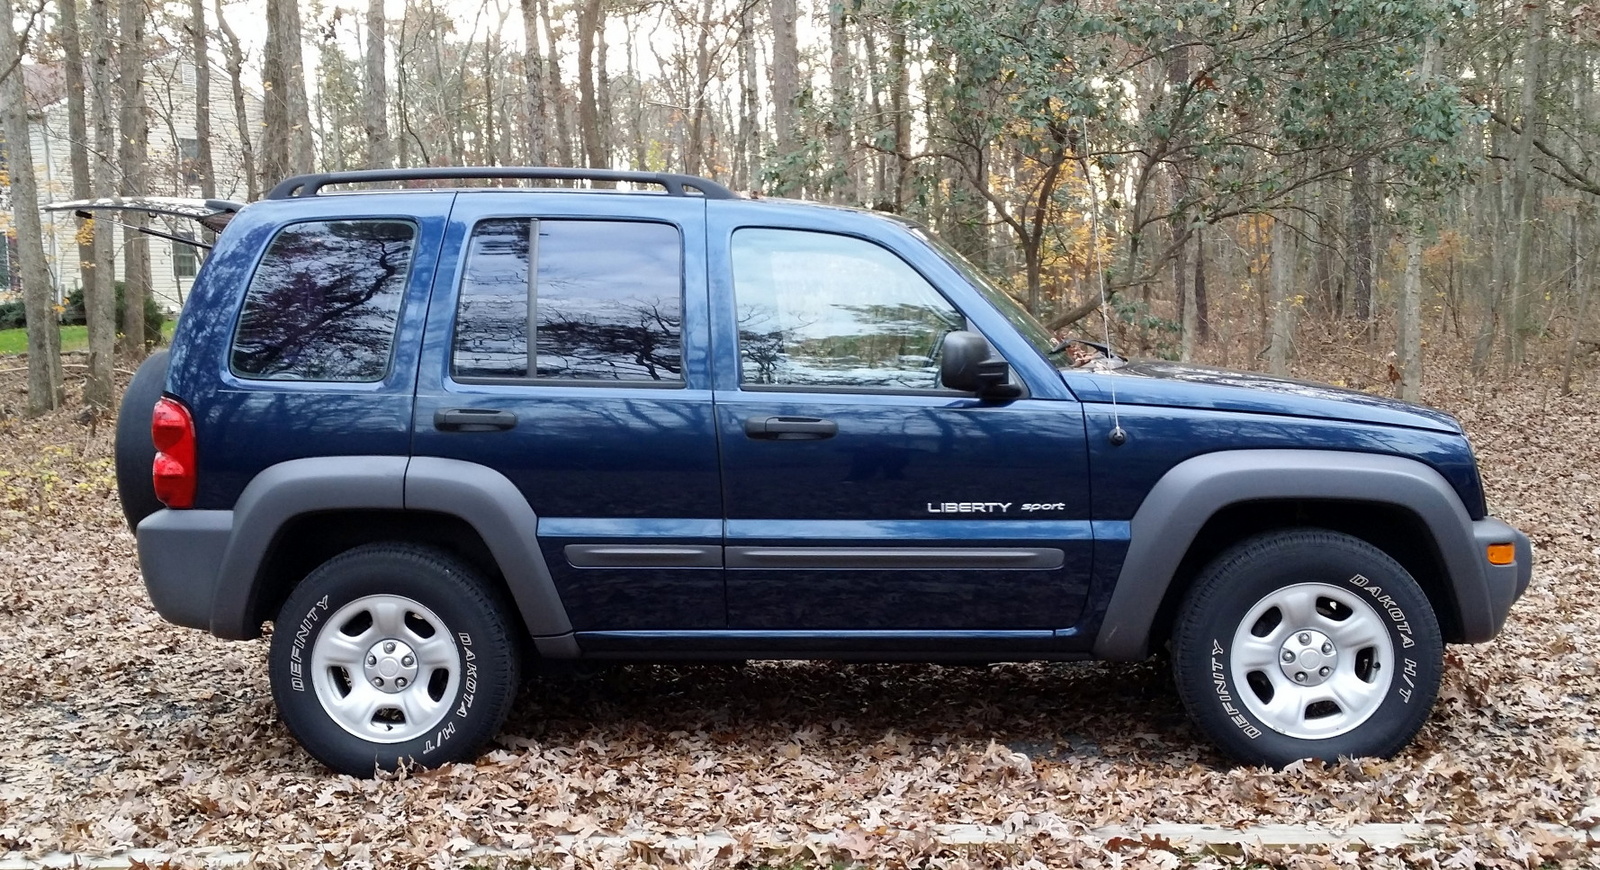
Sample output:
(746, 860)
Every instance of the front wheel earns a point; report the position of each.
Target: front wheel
(391, 653)
(1307, 644)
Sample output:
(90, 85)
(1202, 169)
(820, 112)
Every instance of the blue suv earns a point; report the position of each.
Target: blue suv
(436, 436)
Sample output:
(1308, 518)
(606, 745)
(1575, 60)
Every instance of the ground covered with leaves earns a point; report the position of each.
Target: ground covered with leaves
(121, 731)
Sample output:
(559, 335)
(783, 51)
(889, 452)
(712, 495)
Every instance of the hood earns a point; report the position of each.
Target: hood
(1189, 386)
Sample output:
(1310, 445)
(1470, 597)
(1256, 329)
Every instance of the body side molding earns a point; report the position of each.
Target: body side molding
(1188, 495)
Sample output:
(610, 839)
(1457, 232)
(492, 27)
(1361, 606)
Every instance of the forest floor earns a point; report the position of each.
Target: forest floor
(121, 731)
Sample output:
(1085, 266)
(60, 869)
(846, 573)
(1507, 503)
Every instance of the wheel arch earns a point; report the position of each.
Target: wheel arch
(297, 514)
(1205, 504)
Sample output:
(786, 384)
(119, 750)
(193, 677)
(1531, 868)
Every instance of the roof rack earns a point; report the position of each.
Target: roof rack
(676, 185)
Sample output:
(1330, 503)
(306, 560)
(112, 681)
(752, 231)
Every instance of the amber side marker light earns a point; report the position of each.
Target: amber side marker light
(1502, 554)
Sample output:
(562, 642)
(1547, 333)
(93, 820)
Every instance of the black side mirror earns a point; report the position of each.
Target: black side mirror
(966, 366)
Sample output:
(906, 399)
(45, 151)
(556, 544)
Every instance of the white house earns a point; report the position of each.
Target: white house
(169, 83)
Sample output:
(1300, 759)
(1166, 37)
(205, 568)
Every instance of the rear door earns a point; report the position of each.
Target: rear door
(862, 494)
(567, 350)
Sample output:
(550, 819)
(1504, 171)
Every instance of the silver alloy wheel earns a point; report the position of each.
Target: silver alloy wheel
(1312, 661)
(385, 668)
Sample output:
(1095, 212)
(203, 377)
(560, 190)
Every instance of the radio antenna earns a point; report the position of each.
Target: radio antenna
(1118, 436)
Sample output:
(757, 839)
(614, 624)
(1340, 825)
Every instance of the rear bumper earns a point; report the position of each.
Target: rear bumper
(1503, 584)
(180, 555)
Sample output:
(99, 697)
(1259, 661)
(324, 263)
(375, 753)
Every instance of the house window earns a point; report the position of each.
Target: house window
(185, 260)
(189, 160)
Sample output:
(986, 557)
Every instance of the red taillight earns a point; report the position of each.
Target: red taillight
(174, 472)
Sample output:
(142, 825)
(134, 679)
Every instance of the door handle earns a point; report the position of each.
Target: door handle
(790, 428)
(473, 420)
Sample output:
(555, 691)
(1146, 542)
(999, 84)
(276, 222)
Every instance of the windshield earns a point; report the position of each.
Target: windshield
(1025, 323)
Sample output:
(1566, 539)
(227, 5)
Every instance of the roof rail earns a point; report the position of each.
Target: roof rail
(676, 185)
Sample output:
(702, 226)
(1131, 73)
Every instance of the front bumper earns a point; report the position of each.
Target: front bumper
(1503, 584)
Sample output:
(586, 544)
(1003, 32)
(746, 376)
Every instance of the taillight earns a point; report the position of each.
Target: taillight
(174, 472)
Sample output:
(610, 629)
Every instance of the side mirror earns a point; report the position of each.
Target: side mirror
(965, 365)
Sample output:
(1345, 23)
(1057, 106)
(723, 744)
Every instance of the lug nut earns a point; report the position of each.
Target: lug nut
(1327, 648)
(388, 646)
(377, 681)
(1324, 672)
(1300, 678)
(1288, 656)
(372, 661)
(408, 661)
(401, 681)
(1305, 639)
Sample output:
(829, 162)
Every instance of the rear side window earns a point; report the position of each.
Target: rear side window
(324, 302)
(571, 300)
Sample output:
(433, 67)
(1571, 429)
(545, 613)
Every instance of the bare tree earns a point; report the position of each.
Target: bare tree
(44, 337)
(233, 50)
(133, 157)
(99, 296)
(533, 72)
(375, 91)
(785, 86)
(200, 42)
(99, 391)
(286, 140)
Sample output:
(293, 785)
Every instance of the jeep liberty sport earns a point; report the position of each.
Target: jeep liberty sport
(435, 435)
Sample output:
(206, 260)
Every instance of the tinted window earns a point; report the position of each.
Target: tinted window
(324, 302)
(607, 302)
(823, 310)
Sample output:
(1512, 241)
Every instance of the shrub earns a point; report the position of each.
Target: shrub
(13, 315)
(154, 317)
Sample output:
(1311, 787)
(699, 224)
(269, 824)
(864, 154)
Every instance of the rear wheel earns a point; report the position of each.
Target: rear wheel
(1307, 644)
(391, 653)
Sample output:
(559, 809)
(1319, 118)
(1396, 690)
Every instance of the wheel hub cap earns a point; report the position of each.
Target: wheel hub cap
(1309, 657)
(390, 665)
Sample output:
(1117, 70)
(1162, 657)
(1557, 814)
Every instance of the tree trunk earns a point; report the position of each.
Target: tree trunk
(99, 391)
(99, 296)
(1360, 280)
(785, 90)
(1523, 195)
(590, 19)
(375, 90)
(900, 108)
(747, 156)
(533, 76)
(1410, 337)
(842, 112)
(234, 52)
(1202, 318)
(133, 156)
(44, 334)
(1282, 310)
(200, 41)
(553, 100)
(286, 138)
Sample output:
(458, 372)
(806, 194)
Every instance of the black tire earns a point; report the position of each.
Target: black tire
(1313, 590)
(442, 598)
(133, 451)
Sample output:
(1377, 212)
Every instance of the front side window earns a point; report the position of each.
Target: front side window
(571, 300)
(324, 302)
(820, 310)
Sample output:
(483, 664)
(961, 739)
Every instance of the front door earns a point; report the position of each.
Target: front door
(860, 493)
(568, 353)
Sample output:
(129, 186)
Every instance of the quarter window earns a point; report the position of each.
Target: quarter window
(601, 301)
(820, 310)
(324, 302)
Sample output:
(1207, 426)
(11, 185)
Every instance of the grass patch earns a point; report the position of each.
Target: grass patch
(72, 337)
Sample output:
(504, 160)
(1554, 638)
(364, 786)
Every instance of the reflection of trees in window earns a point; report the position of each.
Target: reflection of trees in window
(892, 345)
(324, 302)
(607, 306)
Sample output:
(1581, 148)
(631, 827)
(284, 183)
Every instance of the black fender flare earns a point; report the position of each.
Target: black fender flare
(1188, 495)
(482, 497)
